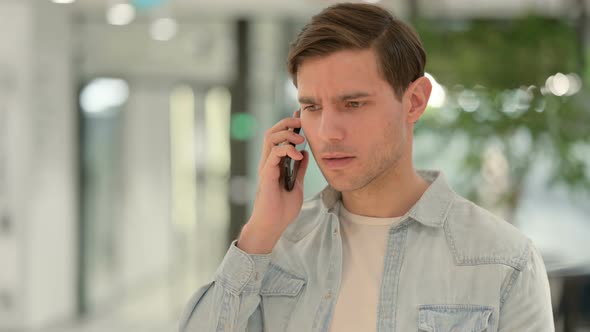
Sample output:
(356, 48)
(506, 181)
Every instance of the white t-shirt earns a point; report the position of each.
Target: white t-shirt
(364, 240)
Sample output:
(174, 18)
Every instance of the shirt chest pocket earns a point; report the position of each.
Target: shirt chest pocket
(279, 295)
(454, 318)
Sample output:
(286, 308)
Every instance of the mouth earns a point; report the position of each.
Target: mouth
(337, 161)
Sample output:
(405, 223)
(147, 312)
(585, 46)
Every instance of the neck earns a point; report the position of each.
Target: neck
(390, 195)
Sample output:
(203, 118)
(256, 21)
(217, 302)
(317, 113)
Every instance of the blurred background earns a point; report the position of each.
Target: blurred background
(130, 135)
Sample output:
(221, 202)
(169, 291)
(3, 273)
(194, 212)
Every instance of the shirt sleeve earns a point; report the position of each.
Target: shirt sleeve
(227, 303)
(526, 299)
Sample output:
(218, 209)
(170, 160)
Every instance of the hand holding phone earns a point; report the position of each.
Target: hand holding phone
(279, 193)
(290, 167)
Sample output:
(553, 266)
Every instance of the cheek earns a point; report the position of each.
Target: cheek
(306, 126)
(309, 131)
(380, 135)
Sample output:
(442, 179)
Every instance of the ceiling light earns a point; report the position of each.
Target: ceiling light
(120, 14)
(163, 29)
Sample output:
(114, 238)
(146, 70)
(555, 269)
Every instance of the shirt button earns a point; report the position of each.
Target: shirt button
(328, 295)
(335, 231)
(256, 276)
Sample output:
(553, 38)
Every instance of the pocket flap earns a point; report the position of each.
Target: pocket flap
(454, 317)
(278, 282)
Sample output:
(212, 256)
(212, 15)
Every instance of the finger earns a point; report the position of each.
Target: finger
(278, 139)
(285, 136)
(271, 139)
(271, 166)
(284, 124)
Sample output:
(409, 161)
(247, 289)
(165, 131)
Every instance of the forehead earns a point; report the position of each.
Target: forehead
(340, 72)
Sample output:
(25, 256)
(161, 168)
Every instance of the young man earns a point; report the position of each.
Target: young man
(384, 247)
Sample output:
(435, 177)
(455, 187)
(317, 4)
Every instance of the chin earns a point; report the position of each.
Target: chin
(341, 186)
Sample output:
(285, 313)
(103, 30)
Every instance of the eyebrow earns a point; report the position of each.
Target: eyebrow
(344, 97)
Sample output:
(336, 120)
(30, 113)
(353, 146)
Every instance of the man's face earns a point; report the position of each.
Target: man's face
(348, 110)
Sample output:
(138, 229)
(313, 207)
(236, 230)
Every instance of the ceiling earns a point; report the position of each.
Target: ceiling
(430, 8)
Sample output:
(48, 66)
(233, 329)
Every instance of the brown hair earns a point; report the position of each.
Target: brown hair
(401, 56)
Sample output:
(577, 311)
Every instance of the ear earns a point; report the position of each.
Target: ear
(416, 98)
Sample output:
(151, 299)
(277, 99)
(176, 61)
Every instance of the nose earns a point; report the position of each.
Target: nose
(331, 127)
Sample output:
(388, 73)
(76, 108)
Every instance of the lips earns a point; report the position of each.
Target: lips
(336, 156)
(334, 161)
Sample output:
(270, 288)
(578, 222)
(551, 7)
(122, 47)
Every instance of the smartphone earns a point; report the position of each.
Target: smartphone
(289, 167)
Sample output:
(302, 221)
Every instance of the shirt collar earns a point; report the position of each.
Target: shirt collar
(430, 210)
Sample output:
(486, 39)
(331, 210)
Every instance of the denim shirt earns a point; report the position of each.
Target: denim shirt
(449, 266)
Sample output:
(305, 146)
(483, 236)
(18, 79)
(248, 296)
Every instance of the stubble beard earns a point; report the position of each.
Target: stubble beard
(375, 169)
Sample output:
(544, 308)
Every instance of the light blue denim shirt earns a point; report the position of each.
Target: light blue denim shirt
(449, 266)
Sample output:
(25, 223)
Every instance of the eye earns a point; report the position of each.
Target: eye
(311, 108)
(354, 104)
